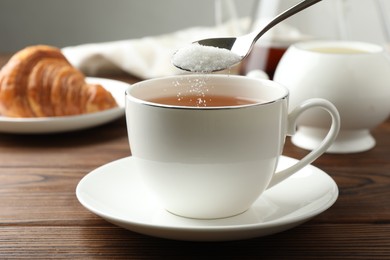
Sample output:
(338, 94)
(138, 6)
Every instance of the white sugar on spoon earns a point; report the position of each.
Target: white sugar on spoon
(201, 58)
(220, 53)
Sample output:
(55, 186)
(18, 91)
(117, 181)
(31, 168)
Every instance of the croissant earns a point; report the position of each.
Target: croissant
(38, 81)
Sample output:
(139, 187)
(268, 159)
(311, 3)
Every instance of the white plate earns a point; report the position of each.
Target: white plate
(114, 192)
(42, 125)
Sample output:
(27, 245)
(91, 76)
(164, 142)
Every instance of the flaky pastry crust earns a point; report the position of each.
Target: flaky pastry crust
(38, 81)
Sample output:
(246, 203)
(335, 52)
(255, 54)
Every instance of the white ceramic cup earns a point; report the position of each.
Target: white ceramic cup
(354, 76)
(214, 162)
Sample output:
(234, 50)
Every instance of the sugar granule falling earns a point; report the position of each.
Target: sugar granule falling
(200, 58)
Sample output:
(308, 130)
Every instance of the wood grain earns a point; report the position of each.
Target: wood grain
(310, 241)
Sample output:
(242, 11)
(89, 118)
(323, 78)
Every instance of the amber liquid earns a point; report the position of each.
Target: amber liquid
(263, 58)
(203, 101)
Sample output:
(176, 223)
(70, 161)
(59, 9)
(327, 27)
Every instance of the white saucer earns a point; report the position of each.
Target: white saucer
(114, 192)
(44, 125)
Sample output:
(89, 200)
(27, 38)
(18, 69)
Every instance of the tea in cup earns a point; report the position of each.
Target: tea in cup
(354, 76)
(207, 146)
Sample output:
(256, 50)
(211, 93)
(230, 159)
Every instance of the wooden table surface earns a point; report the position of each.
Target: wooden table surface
(40, 216)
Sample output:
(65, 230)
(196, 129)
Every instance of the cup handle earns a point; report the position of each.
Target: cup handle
(324, 145)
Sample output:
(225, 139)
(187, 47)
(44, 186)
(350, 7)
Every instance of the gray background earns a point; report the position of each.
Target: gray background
(71, 22)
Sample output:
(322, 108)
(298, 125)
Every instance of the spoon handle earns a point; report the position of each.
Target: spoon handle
(289, 12)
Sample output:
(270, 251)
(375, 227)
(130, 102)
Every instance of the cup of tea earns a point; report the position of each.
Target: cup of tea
(207, 146)
(354, 76)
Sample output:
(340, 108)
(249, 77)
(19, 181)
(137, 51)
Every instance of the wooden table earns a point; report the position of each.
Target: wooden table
(40, 216)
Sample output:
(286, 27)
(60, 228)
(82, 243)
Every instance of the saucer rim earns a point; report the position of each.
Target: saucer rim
(279, 222)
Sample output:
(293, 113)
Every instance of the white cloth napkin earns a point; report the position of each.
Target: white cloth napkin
(145, 58)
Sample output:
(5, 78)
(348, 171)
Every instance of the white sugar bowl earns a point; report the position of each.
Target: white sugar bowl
(354, 76)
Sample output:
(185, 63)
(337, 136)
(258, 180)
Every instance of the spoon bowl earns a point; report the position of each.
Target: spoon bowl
(240, 47)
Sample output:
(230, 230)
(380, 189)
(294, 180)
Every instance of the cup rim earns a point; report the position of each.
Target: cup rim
(366, 47)
(267, 82)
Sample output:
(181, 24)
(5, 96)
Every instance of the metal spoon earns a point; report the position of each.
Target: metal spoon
(241, 46)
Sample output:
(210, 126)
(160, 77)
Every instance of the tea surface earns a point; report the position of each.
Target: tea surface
(203, 101)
